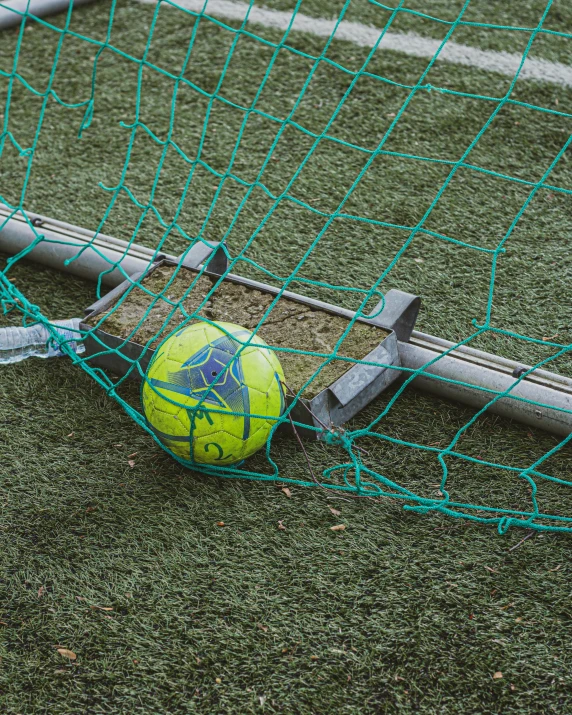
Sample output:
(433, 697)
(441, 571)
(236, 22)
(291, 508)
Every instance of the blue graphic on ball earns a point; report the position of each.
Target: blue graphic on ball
(207, 377)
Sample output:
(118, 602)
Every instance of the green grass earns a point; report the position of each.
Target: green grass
(398, 613)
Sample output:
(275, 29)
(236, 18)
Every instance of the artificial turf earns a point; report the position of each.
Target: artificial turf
(398, 612)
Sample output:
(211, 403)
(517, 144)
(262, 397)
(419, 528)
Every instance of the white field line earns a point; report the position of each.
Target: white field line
(505, 63)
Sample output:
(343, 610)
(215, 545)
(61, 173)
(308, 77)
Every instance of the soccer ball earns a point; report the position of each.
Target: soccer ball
(201, 375)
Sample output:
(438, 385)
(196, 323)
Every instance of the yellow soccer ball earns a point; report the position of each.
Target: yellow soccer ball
(201, 375)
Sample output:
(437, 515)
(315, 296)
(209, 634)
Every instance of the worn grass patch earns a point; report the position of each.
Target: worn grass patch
(146, 314)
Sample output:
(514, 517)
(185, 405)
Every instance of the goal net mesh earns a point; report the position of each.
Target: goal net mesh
(336, 158)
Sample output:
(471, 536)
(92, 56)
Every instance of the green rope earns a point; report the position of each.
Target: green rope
(352, 476)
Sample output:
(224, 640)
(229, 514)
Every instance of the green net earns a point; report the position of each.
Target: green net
(334, 158)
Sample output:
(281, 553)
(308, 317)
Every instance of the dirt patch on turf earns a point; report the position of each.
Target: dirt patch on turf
(150, 312)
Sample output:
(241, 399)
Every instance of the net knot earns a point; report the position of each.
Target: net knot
(336, 435)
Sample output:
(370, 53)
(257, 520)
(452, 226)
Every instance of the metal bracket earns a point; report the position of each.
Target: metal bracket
(399, 312)
(362, 383)
(335, 404)
(209, 253)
